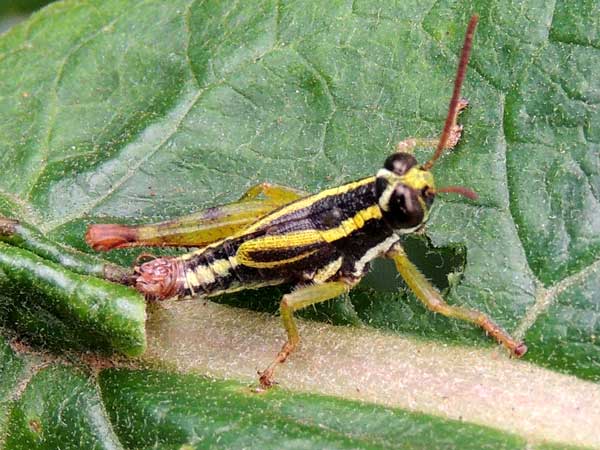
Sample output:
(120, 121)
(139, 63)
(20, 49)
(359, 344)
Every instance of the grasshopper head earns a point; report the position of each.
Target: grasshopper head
(405, 192)
(405, 188)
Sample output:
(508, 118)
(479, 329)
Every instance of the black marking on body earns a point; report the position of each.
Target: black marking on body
(355, 246)
(326, 213)
(284, 253)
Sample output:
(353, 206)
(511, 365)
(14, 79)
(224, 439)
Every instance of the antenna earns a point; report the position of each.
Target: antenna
(460, 76)
(465, 192)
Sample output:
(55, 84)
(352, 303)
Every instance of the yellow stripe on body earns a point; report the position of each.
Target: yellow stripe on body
(306, 202)
(192, 255)
(351, 224)
(236, 286)
(292, 239)
(327, 271)
(204, 274)
(198, 276)
(222, 266)
(247, 260)
(302, 239)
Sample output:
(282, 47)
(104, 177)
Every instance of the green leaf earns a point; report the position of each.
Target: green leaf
(163, 410)
(99, 314)
(12, 13)
(59, 407)
(144, 110)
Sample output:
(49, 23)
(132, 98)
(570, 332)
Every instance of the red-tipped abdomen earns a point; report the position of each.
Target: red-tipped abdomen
(160, 278)
(103, 237)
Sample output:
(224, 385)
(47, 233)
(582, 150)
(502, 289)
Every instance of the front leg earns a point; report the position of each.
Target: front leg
(300, 298)
(409, 145)
(432, 299)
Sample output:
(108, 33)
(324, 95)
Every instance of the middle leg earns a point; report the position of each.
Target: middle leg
(298, 299)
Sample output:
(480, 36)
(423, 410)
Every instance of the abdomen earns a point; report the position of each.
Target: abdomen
(212, 270)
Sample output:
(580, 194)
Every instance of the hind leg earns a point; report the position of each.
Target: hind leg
(197, 229)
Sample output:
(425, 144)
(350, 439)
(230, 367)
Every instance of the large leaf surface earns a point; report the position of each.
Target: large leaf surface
(142, 110)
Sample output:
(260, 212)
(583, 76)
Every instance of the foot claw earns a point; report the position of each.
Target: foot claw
(456, 130)
(266, 379)
(520, 350)
(454, 136)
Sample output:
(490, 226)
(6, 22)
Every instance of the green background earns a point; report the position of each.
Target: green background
(144, 110)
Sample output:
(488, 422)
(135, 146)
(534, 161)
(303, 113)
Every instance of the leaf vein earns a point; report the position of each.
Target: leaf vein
(330, 98)
(545, 297)
(130, 172)
(53, 108)
(187, 15)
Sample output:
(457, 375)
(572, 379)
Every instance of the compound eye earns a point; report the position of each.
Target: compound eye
(405, 210)
(404, 200)
(428, 195)
(400, 163)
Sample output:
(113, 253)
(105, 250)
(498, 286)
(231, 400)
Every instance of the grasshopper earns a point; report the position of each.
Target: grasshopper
(321, 243)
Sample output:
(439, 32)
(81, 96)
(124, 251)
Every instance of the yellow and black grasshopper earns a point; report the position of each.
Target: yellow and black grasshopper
(321, 243)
